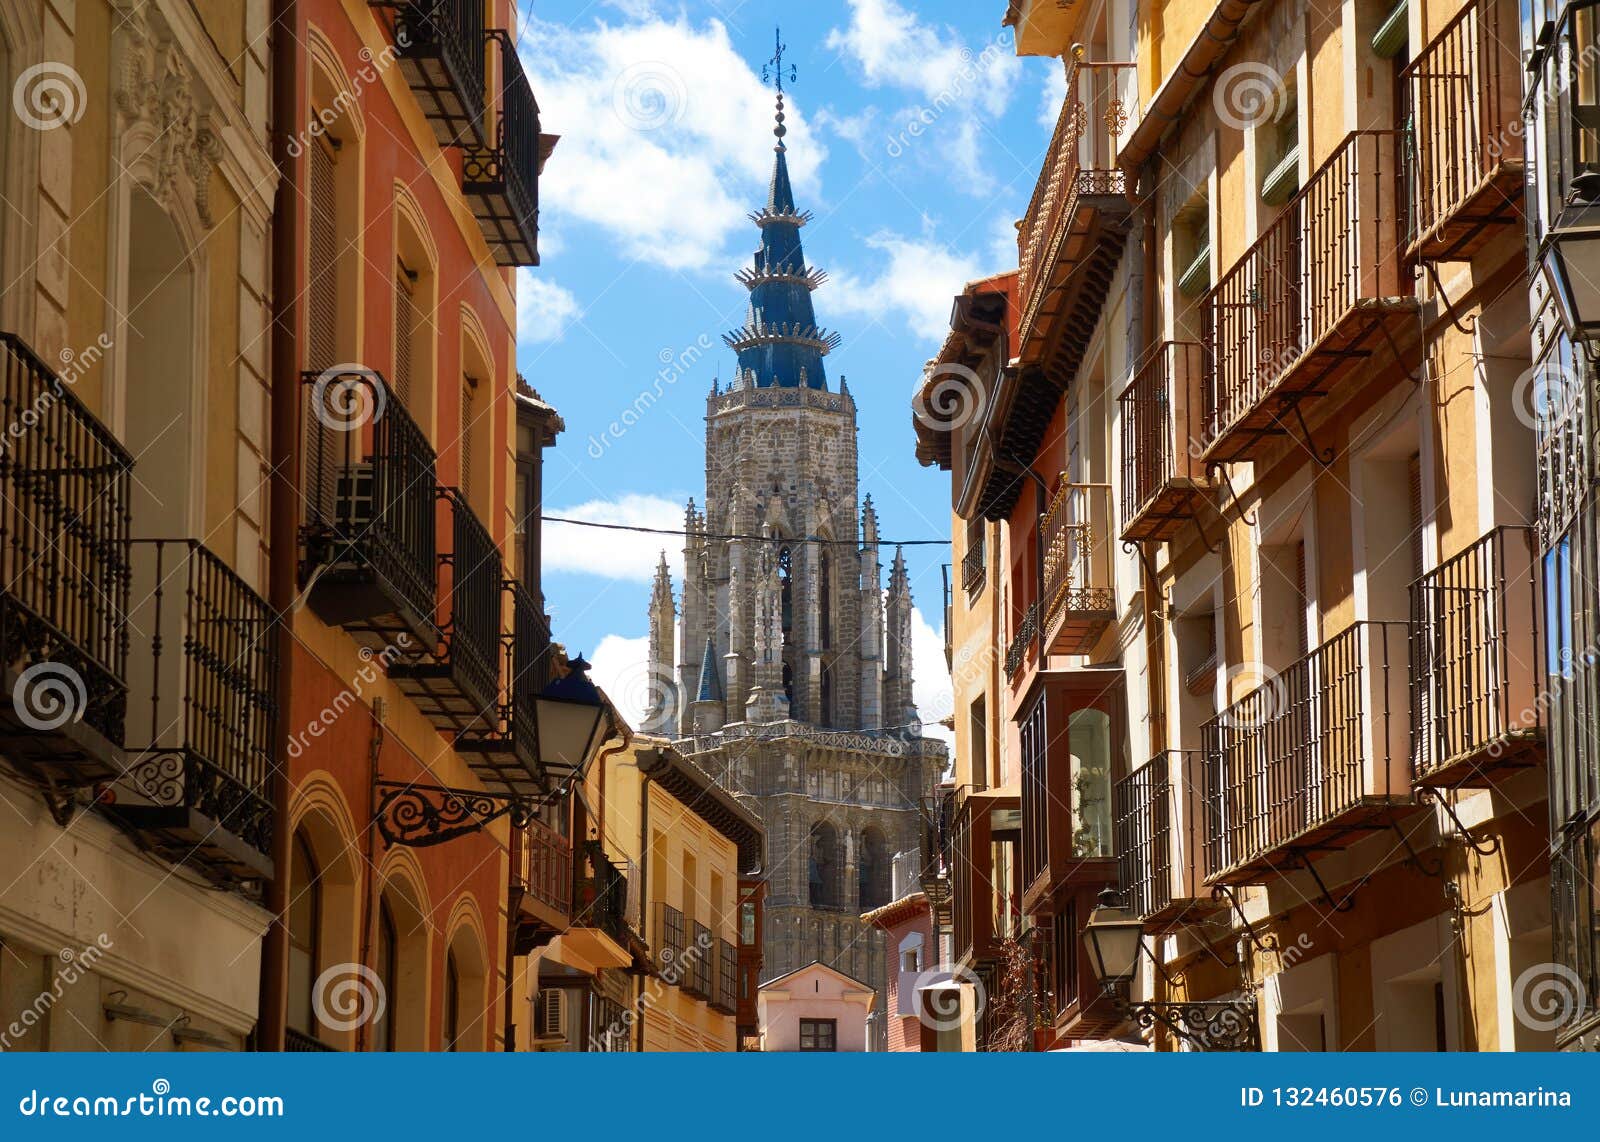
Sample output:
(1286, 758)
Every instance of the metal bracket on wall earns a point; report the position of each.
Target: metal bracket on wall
(1263, 945)
(1323, 456)
(1344, 905)
(1465, 325)
(1414, 858)
(1227, 482)
(1482, 848)
(417, 816)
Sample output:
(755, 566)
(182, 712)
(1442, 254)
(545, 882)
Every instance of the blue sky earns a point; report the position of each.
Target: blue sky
(915, 134)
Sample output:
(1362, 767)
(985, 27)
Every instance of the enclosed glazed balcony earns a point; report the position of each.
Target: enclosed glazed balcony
(1163, 482)
(985, 895)
(1475, 622)
(541, 885)
(1303, 309)
(1075, 539)
(458, 688)
(1073, 232)
(505, 750)
(1466, 145)
(1154, 841)
(439, 45)
(1312, 760)
(501, 176)
(64, 579)
(371, 554)
(201, 715)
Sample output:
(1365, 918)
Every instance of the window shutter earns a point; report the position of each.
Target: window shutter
(1302, 600)
(1414, 478)
(468, 415)
(322, 457)
(405, 327)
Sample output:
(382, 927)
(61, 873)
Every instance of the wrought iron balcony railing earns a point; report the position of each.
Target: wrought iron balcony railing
(1311, 759)
(371, 551)
(1306, 304)
(1162, 426)
(502, 179)
(508, 753)
(1027, 633)
(726, 997)
(1144, 814)
(459, 688)
(700, 968)
(973, 568)
(202, 714)
(1476, 666)
(64, 580)
(440, 47)
(668, 936)
(1075, 542)
(297, 1041)
(541, 886)
(1080, 178)
(602, 897)
(1465, 144)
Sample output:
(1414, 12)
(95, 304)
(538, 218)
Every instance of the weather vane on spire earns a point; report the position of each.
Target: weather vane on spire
(772, 72)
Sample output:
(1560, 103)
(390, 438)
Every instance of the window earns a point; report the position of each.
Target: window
(388, 957)
(825, 598)
(978, 742)
(469, 415)
(305, 923)
(452, 1001)
(747, 923)
(405, 332)
(819, 1035)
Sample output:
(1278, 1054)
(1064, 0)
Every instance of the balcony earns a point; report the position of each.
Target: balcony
(1466, 146)
(973, 567)
(603, 920)
(1076, 223)
(668, 935)
(501, 179)
(726, 997)
(201, 715)
(299, 1041)
(541, 886)
(1304, 307)
(507, 753)
(983, 897)
(440, 50)
(64, 584)
(371, 562)
(1310, 761)
(1159, 890)
(458, 688)
(1476, 663)
(1075, 538)
(1022, 640)
(700, 968)
(1163, 482)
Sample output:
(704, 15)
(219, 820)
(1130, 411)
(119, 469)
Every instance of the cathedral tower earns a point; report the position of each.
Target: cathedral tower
(793, 669)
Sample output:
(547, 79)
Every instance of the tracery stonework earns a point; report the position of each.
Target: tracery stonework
(792, 665)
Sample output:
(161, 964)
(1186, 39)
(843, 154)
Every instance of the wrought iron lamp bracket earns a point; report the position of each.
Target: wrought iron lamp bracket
(1206, 1025)
(419, 816)
(1482, 848)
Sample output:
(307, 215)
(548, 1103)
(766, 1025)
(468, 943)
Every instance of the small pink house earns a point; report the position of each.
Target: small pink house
(814, 1008)
(907, 925)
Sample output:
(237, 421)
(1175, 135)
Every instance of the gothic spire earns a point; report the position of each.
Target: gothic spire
(780, 344)
(710, 689)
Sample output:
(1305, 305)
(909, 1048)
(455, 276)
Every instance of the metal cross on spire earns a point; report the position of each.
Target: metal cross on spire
(772, 71)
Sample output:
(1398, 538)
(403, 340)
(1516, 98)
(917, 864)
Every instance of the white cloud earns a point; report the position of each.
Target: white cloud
(916, 281)
(544, 309)
(894, 49)
(665, 134)
(1051, 97)
(620, 667)
(930, 677)
(626, 555)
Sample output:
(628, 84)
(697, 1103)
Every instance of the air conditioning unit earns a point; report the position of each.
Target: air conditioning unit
(550, 1016)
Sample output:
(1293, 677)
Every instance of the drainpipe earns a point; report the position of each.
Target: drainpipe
(644, 898)
(282, 520)
(508, 1033)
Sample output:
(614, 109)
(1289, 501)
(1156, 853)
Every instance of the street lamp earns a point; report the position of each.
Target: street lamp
(1571, 263)
(572, 722)
(1116, 938)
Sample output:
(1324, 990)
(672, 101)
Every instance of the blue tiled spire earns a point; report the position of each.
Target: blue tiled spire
(710, 679)
(780, 342)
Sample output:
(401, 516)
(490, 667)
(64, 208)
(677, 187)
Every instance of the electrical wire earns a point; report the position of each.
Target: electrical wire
(712, 535)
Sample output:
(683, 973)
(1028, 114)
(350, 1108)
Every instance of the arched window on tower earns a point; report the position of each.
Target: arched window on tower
(873, 872)
(785, 575)
(825, 600)
(823, 866)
